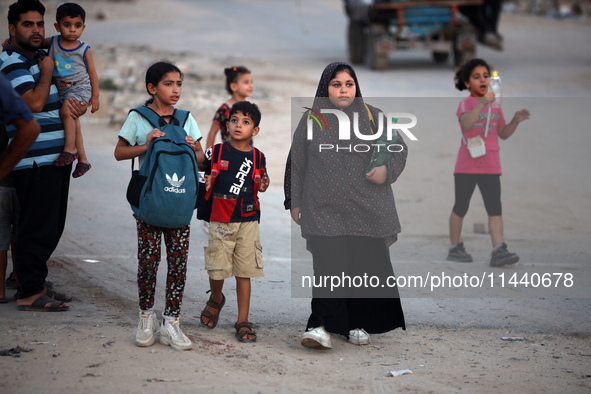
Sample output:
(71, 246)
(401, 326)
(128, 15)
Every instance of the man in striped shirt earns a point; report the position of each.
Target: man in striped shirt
(41, 187)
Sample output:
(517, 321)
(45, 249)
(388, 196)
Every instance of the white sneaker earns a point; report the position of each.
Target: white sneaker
(171, 335)
(316, 338)
(146, 329)
(358, 336)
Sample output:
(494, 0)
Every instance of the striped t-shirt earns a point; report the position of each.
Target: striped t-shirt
(22, 69)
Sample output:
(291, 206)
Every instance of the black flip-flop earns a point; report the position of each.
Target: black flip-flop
(11, 283)
(40, 305)
(58, 296)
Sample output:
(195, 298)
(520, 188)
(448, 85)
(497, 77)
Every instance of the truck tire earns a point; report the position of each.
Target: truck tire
(440, 57)
(357, 40)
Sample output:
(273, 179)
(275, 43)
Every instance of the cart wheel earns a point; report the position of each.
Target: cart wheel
(357, 42)
(379, 46)
(440, 57)
(464, 46)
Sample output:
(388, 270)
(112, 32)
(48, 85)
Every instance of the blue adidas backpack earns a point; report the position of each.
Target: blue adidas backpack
(163, 192)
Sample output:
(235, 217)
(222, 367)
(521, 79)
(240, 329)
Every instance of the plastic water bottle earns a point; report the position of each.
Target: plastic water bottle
(495, 86)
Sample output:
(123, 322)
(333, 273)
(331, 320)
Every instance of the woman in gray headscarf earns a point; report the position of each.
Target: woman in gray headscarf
(347, 213)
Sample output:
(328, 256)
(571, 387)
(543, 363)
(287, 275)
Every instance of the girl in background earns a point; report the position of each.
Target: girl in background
(239, 85)
(474, 113)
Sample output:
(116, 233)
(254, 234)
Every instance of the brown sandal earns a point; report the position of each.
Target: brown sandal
(240, 334)
(213, 318)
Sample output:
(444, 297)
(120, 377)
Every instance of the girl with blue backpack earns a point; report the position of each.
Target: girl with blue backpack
(164, 83)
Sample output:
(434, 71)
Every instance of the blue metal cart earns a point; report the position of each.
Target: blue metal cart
(377, 28)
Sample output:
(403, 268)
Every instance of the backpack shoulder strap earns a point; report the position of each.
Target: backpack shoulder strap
(217, 163)
(256, 174)
(182, 116)
(256, 162)
(215, 167)
(151, 116)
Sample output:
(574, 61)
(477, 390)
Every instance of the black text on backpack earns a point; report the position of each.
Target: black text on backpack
(205, 201)
(163, 192)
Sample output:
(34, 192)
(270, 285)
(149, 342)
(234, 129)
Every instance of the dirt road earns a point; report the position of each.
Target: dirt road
(453, 342)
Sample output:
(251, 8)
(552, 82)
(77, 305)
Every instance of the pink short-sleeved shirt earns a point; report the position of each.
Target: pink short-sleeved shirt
(490, 163)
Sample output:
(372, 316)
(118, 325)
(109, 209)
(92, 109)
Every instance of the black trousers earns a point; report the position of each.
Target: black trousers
(490, 188)
(375, 309)
(43, 197)
(484, 18)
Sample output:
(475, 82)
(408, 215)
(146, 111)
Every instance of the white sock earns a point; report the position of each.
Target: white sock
(168, 319)
(147, 311)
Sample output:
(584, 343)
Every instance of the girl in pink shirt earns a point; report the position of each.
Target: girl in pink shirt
(485, 171)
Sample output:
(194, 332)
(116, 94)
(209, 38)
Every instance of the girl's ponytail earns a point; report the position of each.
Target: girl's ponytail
(232, 74)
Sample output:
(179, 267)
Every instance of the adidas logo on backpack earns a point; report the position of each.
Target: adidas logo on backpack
(175, 183)
(156, 197)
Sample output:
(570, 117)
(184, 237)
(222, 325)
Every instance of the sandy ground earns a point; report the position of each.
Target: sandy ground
(454, 339)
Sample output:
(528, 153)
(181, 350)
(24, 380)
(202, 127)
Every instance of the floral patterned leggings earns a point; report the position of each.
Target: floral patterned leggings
(177, 249)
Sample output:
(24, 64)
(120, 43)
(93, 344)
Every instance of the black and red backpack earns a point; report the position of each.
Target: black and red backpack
(205, 199)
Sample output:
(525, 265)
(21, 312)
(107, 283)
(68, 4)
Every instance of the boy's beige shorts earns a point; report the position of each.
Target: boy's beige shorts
(234, 250)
